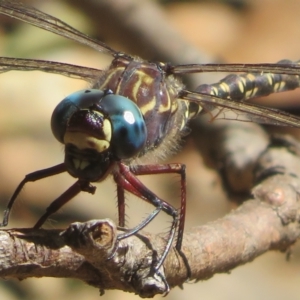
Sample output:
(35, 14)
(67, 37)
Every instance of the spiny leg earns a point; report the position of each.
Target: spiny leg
(129, 181)
(124, 184)
(169, 169)
(69, 194)
(121, 205)
(37, 175)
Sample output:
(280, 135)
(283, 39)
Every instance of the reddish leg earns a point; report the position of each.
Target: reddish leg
(121, 205)
(128, 181)
(69, 194)
(37, 175)
(166, 169)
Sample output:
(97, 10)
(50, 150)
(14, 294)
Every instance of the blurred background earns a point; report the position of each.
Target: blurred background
(229, 31)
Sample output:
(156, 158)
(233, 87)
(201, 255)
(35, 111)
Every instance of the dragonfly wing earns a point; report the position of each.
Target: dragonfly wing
(42, 20)
(220, 108)
(73, 71)
(282, 67)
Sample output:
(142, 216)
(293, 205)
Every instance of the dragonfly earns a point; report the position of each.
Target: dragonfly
(135, 111)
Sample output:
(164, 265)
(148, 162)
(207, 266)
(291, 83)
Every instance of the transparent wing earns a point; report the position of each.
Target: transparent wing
(284, 67)
(219, 108)
(73, 71)
(42, 20)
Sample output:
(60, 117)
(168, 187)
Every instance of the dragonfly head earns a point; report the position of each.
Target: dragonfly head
(98, 128)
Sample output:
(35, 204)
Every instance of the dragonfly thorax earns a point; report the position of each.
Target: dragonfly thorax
(155, 93)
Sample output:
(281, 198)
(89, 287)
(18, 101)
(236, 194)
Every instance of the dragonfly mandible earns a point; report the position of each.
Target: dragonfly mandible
(135, 110)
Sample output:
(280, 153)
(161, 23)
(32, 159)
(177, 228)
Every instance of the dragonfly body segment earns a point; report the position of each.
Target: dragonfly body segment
(247, 86)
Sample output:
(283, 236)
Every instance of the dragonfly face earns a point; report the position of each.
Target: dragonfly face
(136, 108)
(98, 128)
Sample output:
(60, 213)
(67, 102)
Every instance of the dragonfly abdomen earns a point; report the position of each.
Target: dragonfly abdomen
(245, 86)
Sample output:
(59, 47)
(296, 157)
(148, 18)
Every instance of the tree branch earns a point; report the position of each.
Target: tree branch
(84, 251)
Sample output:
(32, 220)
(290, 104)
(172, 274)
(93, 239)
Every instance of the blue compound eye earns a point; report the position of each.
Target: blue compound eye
(128, 125)
(129, 132)
(66, 108)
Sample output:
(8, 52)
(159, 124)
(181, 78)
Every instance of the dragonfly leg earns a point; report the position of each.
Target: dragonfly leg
(127, 179)
(121, 205)
(165, 169)
(124, 184)
(37, 175)
(69, 194)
